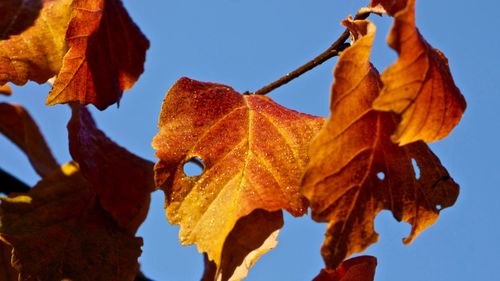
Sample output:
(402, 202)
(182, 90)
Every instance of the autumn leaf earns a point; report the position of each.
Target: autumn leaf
(59, 231)
(5, 90)
(356, 269)
(391, 7)
(106, 55)
(17, 15)
(36, 53)
(244, 245)
(356, 171)
(122, 180)
(254, 153)
(18, 126)
(419, 85)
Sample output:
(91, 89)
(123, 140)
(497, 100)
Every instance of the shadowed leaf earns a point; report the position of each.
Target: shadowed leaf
(244, 246)
(389, 6)
(7, 272)
(59, 231)
(356, 171)
(419, 85)
(254, 153)
(355, 269)
(36, 53)
(122, 180)
(18, 126)
(106, 55)
(17, 15)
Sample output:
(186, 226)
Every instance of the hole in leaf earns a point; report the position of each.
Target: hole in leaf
(439, 207)
(193, 167)
(381, 176)
(415, 168)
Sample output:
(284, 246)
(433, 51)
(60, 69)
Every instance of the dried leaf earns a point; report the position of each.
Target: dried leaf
(18, 126)
(17, 15)
(244, 246)
(7, 272)
(356, 171)
(59, 231)
(389, 6)
(419, 85)
(122, 180)
(356, 269)
(5, 90)
(106, 55)
(36, 54)
(254, 153)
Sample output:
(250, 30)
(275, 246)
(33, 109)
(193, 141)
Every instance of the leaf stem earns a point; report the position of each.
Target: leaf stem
(10, 184)
(335, 49)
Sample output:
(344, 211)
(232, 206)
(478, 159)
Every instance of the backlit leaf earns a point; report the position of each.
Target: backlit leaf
(355, 269)
(59, 231)
(356, 171)
(106, 55)
(254, 153)
(419, 85)
(244, 245)
(17, 15)
(36, 53)
(5, 90)
(18, 126)
(122, 180)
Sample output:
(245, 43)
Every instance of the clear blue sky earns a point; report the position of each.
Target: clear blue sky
(246, 44)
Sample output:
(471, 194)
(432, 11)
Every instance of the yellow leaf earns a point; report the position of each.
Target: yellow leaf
(254, 153)
(36, 53)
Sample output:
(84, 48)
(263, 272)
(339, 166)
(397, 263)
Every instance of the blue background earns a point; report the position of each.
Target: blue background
(247, 44)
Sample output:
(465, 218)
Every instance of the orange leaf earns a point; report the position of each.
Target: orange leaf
(122, 180)
(17, 15)
(419, 85)
(254, 153)
(244, 245)
(356, 171)
(59, 231)
(356, 269)
(18, 126)
(106, 55)
(36, 53)
(5, 90)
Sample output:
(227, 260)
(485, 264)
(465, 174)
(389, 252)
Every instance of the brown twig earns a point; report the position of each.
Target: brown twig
(335, 49)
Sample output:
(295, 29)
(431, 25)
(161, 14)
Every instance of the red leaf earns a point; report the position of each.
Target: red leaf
(106, 55)
(123, 180)
(356, 269)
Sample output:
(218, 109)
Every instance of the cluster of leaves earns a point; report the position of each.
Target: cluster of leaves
(259, 158)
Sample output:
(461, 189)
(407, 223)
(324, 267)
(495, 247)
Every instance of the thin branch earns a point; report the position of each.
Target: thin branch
(9, 183)
(335, 49)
